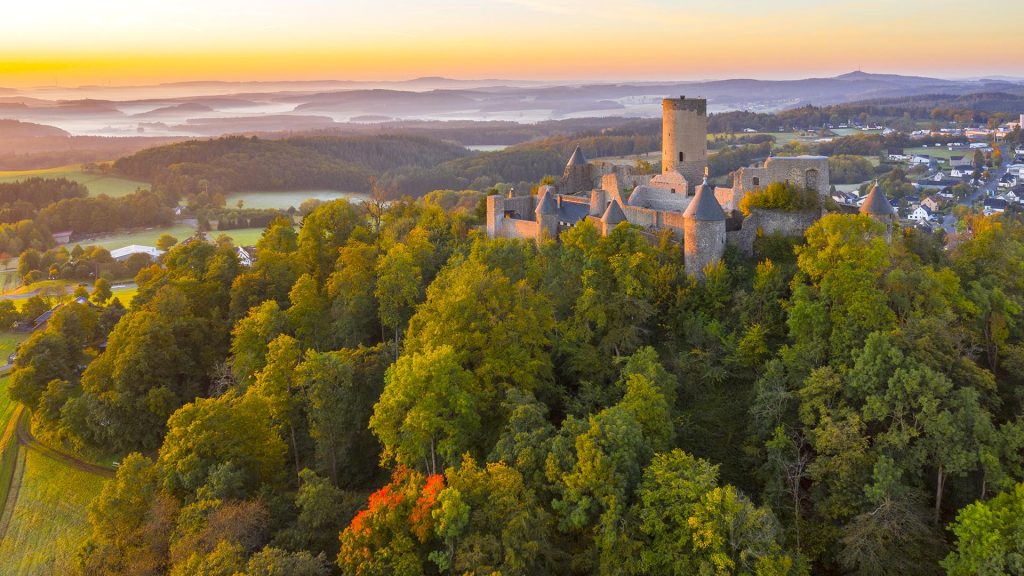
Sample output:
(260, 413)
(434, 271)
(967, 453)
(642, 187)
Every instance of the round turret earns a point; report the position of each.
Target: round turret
(878, 207)
(612, 217)
(876, 204)
(703, 231)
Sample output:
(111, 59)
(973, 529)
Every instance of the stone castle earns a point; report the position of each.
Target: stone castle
(706, 218)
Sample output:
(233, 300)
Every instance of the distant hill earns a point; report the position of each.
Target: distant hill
(201, 109)
(175, 111)
(14, 129)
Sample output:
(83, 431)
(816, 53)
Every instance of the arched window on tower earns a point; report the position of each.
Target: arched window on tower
(811, 179)
(682, 157)
(756, 181)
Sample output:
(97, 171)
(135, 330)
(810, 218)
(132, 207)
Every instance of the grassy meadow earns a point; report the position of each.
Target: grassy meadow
(8, 343)
(113, 186)
(148, 237)
(6, 407)
(285, 199)
(939, 152)
(49, 517)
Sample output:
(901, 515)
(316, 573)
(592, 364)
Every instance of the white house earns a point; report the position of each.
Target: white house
(245, 257)
(961, 161)
(124, 253)
(920, 214)
(994, 206)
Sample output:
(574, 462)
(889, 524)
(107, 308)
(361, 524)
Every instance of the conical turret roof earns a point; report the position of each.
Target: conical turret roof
(704, 205)
(613, 214)
(547, 204)
(876, 204)
(577, 158)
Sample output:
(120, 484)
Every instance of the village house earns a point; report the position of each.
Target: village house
(921, 214)
(122, 254)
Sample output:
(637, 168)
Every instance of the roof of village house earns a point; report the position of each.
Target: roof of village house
(876, 204)
(704, 206)
(613, 214)
(136, 249)
(577, 158)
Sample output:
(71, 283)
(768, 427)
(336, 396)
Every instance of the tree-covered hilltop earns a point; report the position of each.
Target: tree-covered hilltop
(237, 163)
(388, 391)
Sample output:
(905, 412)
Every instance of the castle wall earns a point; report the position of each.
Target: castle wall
(684, 138)
(512, 228)
(648, 218)
(768, 222)
(809, 171)
(726, 198)
(643, 217)
(520, 208)
(675, 221)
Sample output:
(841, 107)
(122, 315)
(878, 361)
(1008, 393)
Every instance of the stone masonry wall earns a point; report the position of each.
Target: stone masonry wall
(767, 222)
(810, 171)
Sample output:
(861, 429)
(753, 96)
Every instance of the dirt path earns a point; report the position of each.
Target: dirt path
(26, 439)
(20, 429)
(12, 492)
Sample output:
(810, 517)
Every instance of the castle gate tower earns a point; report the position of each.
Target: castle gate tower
(684, 138)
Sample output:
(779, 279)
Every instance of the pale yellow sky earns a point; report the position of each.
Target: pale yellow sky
(71, 42)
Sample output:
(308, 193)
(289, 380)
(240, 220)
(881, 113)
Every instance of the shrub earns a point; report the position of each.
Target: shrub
(781, 196)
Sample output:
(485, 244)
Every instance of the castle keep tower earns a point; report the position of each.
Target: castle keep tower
(684, 137)
(703, 231)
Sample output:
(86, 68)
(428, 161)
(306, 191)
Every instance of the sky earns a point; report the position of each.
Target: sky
(128, 42)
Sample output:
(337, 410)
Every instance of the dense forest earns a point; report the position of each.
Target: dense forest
(967, 109)
(387, 391)
(238, 163)
(23, 199)
(75, 212)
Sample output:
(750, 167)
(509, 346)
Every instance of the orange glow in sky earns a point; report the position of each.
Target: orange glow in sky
(69, 42)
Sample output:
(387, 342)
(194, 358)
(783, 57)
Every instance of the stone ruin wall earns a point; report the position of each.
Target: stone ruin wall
(768, 222)
(782, 169)
(648, 219)
(527, 229)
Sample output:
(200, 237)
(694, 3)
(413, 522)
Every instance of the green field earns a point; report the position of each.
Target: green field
(125, 294)
(242, 237)
(49, 518)
(6, 408)
(8, 342)
(942, 153)
(285, 199)
(97, 183)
